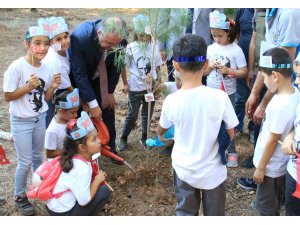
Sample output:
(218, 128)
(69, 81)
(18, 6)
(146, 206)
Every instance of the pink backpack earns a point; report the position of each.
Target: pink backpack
(45, 178)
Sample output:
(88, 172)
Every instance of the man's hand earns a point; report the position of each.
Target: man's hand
(96, 112)
(259, 114)
(111, 102)
(251, 105)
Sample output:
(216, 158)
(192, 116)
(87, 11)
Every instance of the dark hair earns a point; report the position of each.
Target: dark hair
(279, 56)
(60, 96)
(190, 45)
(27, 38)
(70, 149)
(232, 30)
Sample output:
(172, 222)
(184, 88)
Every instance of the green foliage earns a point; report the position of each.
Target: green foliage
(229, 12)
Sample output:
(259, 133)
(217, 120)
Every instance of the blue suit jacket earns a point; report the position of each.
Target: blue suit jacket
(84, 53)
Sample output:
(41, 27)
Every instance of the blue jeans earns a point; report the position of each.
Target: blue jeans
(136, 98)
(232, 148)
(29, 136)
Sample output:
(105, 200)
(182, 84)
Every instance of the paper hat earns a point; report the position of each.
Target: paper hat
(298, 57)
(36, 31)
(54, 25)
(72, 101)
(84, 124)
(141, 24)
(218, 20)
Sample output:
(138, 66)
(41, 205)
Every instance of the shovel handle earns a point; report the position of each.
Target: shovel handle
(109, 154)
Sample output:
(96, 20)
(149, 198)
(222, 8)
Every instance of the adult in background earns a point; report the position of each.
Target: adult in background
(93, 67)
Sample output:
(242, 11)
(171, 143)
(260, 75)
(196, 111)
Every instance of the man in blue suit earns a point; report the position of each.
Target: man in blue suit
(93, 70)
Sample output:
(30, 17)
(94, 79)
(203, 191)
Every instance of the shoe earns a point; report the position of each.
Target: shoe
(167, 151)
(143, 143)
(122, 144)
(248, 163)
(251, 136)
(232, 160)
(247, 183)
(2, 201)
(24, 206)
(3, 212)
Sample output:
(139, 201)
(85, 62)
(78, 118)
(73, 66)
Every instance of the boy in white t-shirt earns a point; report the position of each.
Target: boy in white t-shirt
(66, 105)
(271, 164)
(196, 111)
(57, 57)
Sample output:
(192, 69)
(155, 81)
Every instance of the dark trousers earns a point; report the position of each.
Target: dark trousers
(136, 99)
(292, 204)
(100, 199)
(189, 199)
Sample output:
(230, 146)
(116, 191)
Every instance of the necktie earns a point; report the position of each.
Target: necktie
(103, 81)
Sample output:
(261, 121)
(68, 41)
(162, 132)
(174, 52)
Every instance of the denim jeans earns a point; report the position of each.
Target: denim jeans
(232, 148)
(29, 136)
(136, 98)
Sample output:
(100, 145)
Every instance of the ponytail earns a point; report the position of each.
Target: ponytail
(232, 30)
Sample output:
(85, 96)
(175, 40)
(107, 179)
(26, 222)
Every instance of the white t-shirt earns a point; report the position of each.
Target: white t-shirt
(16, 76)
(230, 55)
(279, 119)
(197, 115)
(59, 64)
(55, 135)
(291, 167)
(138, 59)
(78, 180)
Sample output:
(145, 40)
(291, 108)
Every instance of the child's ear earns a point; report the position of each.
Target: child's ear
(205, 64)
(82, 148)
(275, 75)
(176, 65)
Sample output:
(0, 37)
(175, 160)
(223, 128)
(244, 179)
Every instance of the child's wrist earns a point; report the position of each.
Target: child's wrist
(231, 73)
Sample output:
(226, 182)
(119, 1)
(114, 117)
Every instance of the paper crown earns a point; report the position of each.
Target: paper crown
(218, 20)
(141, 24)
(37, 31)
(72, 101)
(84, 124)
(54, 25)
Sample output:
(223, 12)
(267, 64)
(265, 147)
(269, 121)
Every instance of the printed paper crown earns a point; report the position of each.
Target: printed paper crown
(84, 124)
(54, 25)
(218, 20)
(141, 24)
(72, 101)
(37, 31)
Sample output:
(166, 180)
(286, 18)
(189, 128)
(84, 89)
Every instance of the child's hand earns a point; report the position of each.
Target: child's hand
(288, 146)
(213, 65)
(100, 177)
(33, 82)
(149, 78)
(223, 69)
(259, 175)
(56, 80)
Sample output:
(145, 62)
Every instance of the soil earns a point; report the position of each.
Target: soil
(150, 190)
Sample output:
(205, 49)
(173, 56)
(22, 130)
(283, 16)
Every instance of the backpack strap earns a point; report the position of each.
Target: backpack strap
(59, 194)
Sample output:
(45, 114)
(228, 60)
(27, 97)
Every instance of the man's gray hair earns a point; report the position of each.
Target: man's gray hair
(115, 25)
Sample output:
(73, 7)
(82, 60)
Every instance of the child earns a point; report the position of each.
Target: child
(139, 59)
(27, 86)
(83, 195)
(196, 111)
(226, 63)
(291, 146)
(66, 105)
(57, 57)
(270, 162)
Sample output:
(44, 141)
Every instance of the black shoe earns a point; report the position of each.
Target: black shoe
(24, 206)
(122, 144)
(247, 183)
(248, 163)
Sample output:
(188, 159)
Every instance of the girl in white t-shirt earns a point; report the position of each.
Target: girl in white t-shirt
(66, 105)
(28, 84)
(139, 59)
(226, 63)
(82, 185)
(57, 57)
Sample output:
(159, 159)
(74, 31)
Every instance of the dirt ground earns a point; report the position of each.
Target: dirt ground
(150, 190)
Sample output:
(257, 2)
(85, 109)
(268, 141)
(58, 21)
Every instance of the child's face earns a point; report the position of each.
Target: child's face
(220, 36)
(39, 46)
(69, 114)
(297, 71)
(93, 143)
(143, 37)
(63, 39)
(270, 82)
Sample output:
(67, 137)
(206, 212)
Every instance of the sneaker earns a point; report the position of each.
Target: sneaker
(122, 144)
(24, 206)
(247, 183)
(143, 143)
(248, 163)
(3, 212)
(232, 160)
(2, 200)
